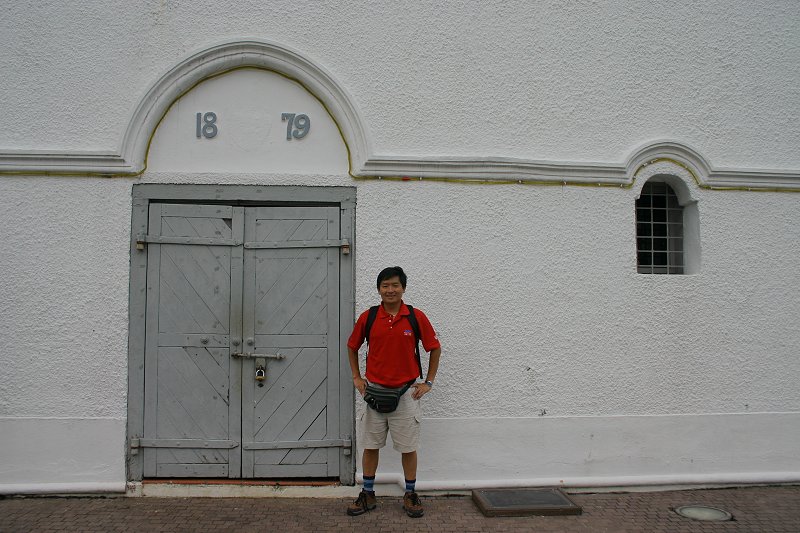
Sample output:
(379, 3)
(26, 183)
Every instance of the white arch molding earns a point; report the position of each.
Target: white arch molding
(216, 59)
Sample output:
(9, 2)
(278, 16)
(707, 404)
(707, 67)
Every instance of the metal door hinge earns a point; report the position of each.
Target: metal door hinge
(347, 447)
(343, 244)
(300, 444)
(184, 443)
(142, 240)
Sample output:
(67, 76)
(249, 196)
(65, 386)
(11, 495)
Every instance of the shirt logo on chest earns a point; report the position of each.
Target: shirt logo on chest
(408, 332)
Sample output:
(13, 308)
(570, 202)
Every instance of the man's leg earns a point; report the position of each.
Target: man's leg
(366, 499)
(374, 438)
(409, 466)
(404, 427)
(411, 502)
(369, 462)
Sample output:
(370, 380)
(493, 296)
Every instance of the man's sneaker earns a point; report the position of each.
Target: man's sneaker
(412, 505)
(366, 501)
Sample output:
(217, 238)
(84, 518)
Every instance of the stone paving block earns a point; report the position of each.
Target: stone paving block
(755, 509)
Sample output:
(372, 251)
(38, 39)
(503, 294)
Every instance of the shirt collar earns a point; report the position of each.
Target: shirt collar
(402, 312)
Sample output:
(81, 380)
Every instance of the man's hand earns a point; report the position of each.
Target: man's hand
(420, 390)
(360, 384)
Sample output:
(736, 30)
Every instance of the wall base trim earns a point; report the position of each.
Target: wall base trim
(62, 488)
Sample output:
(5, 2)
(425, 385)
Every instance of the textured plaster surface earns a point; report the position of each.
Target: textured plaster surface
(583, 81)
(533, 290)
(540, 310)
(63, 296)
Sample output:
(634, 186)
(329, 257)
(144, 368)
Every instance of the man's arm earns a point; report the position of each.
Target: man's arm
(433, 364)
(359, 382)
(421, 389)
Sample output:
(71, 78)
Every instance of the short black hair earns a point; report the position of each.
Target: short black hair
(391, 272)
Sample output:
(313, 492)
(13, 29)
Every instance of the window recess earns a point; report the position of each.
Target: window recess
(659, 230)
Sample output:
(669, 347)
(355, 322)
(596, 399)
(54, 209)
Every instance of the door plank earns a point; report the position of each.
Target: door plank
(293, 290)
(236, 332)
(285, 280)
(316, 430)
(188, 393)
(184, 307)
(174, 422)
(292, 299)
(273, 471)
(310, 312)
(192, 470)
(150, 460)
(292, 403)
(188, 363)
(201, 288)
(197, 210)
(286, 386)
(279, 342)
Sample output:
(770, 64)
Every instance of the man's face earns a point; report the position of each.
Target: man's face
(391, 290)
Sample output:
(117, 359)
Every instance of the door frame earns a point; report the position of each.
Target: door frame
(240, 195)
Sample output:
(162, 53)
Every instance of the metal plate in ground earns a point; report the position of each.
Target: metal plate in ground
(523, 502)
(704, 512)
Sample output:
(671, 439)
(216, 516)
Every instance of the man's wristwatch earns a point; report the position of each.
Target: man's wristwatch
(429, 383)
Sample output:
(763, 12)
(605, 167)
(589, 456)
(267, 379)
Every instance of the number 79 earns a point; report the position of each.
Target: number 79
(297, 126)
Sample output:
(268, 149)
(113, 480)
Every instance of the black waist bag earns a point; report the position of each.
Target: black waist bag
(384, 400)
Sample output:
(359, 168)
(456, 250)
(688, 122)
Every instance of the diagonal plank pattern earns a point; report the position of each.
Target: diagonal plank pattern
(192, 374)
(291, 301)
(204, 409)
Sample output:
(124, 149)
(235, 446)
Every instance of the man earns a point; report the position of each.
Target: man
(392, 363)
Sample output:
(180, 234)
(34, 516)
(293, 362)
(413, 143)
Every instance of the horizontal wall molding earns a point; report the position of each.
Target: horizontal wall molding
(131, 157)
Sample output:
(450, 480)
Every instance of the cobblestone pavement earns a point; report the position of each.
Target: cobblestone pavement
(756, 509)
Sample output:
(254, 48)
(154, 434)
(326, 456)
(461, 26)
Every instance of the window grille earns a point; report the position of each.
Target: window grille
(659, 230)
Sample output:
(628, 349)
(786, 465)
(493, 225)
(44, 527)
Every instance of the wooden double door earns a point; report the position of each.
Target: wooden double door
(242, 360)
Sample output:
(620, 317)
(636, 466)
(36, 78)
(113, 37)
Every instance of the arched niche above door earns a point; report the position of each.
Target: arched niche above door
(248, 120)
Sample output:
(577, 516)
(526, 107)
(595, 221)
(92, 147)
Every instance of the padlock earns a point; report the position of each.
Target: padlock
(261, 374)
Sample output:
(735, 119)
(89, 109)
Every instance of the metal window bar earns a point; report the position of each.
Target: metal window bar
(659, 231)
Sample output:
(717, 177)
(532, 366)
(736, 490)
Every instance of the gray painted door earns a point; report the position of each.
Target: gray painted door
(229, 288)
(291, 310)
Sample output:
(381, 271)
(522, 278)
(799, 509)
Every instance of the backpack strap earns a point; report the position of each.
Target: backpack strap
(412, 318)
(373, 312)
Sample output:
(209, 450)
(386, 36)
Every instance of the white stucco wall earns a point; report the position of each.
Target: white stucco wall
(561, 364)
(548, 332)
(542, 80)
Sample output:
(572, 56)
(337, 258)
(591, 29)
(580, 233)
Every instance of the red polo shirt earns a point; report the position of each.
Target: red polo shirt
(391, 361)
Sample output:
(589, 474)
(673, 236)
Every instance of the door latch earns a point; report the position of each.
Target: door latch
(259, 355)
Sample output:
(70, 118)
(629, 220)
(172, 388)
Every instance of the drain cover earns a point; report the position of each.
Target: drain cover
(704, 512)
(522, 502)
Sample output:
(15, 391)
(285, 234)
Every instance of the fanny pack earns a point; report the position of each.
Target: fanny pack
(384, 400)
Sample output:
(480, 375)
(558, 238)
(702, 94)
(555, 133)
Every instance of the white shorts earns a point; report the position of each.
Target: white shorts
(402, 423)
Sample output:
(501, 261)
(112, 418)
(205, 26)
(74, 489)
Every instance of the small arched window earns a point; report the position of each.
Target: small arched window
(659, 230)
